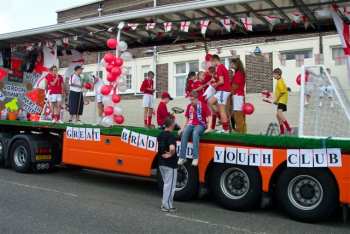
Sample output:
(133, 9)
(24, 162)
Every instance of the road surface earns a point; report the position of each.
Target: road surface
(83, 201)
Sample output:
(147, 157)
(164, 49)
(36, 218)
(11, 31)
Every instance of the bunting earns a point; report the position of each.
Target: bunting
(167, 26)
(204, 26)
(185, 26)
(247, 23)
(226, 23)
(133, 26)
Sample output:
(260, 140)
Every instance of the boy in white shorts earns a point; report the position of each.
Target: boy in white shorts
(147, 88)
(218, 102)
(55, 91)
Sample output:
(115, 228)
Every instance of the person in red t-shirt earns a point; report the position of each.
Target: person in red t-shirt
(238, 92)
(218, 102)
(55, 91)
(162, 110)
(147, 88)
(189, 83)
(197, 115)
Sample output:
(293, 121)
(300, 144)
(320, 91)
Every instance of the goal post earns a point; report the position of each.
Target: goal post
(324, 104)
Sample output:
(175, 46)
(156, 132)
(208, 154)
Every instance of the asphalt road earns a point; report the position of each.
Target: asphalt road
(85, 201)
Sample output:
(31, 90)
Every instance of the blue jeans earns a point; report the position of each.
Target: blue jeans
(196, 131)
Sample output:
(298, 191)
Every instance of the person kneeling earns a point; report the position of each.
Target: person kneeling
(167, 164)
(197, 114)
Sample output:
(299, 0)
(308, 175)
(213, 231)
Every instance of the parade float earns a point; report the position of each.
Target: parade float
(307, 174)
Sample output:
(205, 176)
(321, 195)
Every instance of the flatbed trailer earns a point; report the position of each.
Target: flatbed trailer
(309, 178)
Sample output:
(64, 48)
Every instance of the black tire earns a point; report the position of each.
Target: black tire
(20, 155)
(236, 187)
(187, 185)
(307, 195)
(2, 153)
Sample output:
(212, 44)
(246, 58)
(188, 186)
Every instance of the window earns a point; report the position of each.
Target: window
(225, 61)
(338, 55)
(128, 78)
(292, 55)
(181, 72)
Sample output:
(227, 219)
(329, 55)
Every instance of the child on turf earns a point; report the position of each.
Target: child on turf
(55, 92)
(147, 89)
(162, 110)
(281, 100)
(197, 114)
(189, 82)
(167, 161)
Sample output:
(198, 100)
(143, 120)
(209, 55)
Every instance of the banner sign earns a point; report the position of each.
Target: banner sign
(83, 134)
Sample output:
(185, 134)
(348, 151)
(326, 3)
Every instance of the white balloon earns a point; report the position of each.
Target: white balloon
(122, 46)
(117, 110)
(126, 56)
(107, 100)
(107, 121)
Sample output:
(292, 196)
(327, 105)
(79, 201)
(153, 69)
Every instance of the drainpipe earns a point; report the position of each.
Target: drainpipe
(155, 61)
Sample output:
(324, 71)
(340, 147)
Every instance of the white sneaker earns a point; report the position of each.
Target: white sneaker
(181, 161)
(195, 162)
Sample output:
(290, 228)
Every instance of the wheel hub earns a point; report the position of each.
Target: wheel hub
(305, 192)
(20, 156)
(234, 183)
(182, 178)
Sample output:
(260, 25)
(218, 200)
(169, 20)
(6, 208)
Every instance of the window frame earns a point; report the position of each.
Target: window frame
(187, 68)
(298, 52)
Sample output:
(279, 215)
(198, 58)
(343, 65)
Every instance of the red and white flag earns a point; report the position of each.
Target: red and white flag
(343, 30)
(204, 26)
(226, 23)
(167, 26)
(247, 23)
(185, 26)
(297, 17)
(273, 20)
(133, 26)
(150, 26)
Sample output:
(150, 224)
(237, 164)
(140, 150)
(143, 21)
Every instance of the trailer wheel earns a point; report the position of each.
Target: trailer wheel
(2, 153)
(20, 155)
(187, 184)
(236, 187)
(307, 195)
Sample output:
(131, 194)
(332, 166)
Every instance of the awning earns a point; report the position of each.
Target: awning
(264, 16)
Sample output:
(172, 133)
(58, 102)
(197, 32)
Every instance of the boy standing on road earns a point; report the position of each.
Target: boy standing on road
(167, 160)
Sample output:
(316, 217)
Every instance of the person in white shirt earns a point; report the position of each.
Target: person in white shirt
(76, 101)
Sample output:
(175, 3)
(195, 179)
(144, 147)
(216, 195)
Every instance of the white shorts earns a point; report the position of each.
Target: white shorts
(55, 97)
(98, 98)
(221, 97)
(148, 100)
(209, 92)
(237, 102)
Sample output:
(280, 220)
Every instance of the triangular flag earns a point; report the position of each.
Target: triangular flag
(204, 26)
(273, 20)
(226, 23)
(133, 26)
(150, 26)
(297, 17)
(167, 26)
(121, 25)
(247, 23)
(185, 26)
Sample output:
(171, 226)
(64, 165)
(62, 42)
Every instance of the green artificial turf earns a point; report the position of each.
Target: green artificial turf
(289, 142)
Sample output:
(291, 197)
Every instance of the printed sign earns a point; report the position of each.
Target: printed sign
(139, 140)
(314, 158)
(83, 134)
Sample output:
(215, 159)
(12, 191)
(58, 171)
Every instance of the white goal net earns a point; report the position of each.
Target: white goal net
(324, 104)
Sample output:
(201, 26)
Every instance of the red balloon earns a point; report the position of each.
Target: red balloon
(208, 57)
(112, 43)
(118, 61)
(88, 86)
(116, 98)
(108, 57)
(248, 108)
(3, 74)
(111, 77)
(106, 89)
(108, 110)
(116, 71)
(109, 67)
(119, 119)
(298, 79)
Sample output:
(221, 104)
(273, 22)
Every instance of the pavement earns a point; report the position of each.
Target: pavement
(85, 201)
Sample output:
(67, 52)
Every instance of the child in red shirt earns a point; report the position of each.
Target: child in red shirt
(162, 110)
(189, 83)
(218, 102)
(147, 88)
(55, 91)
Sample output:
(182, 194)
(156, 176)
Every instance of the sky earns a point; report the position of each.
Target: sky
(17, 15)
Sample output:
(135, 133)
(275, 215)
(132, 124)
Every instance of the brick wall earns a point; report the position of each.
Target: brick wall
(162, 78)
(259, 73)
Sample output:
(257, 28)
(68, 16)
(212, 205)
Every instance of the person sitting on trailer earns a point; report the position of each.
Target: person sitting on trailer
(281, 100)
(167, 159)
(147, 88)
(55, 91)
(197, 115)
(76, 100)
